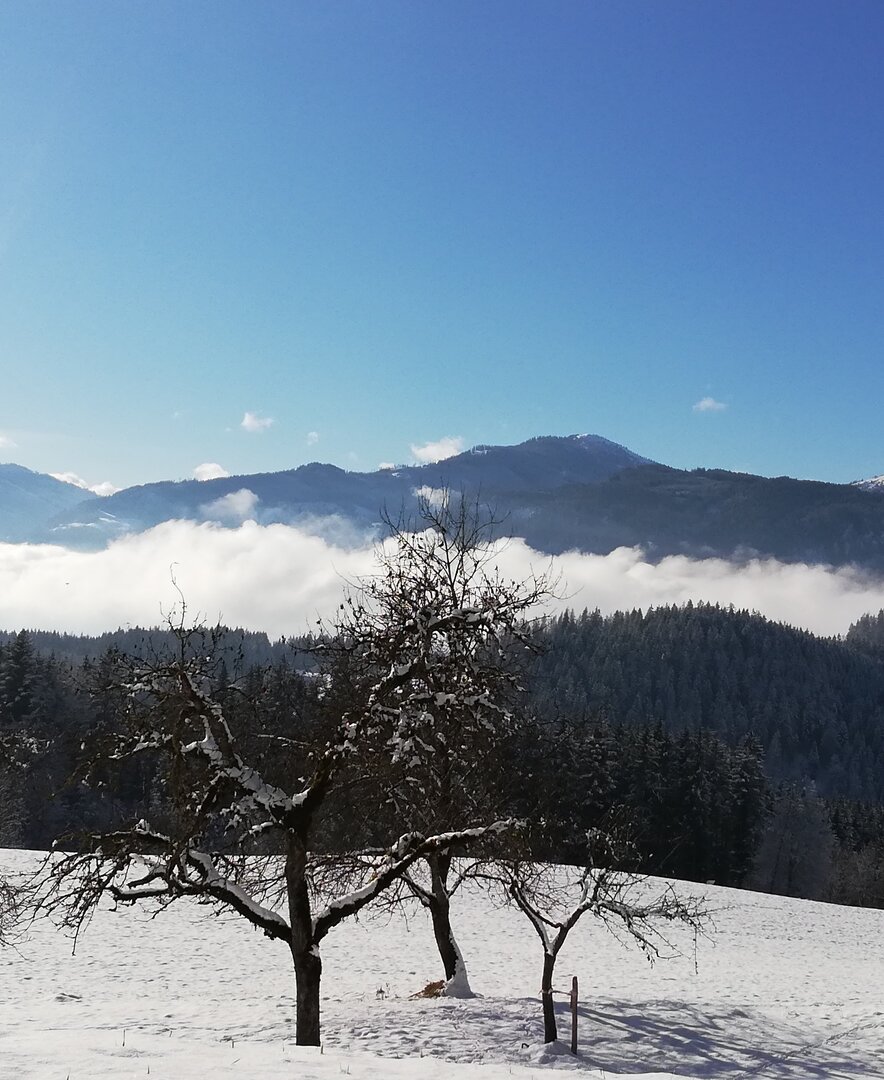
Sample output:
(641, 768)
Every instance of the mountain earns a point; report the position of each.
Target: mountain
(325, 498)
(580, 492)
(710, 513)
(29, 499)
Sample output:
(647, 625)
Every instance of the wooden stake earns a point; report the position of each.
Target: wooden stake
(574, 1014)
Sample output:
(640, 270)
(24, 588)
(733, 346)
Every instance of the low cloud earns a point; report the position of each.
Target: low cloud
(255, 424)
(709, 404)
(104, 488)
(280, 579)
(210, 470)
(435, 498)
(235, 507)
(437, 451)
(6, 443)
(385, 466)
(312, 438)
(821, 599)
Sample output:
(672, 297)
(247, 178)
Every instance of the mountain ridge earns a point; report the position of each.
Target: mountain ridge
(316, 489)
(26, 495)
(558, 493)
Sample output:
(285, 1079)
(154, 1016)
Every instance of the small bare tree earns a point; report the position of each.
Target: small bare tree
(554, 899)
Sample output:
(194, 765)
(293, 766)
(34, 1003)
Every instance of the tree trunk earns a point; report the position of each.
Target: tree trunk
(457, 983)
(308, 971)
(305, 953)
(440, 913)
(550, 1032)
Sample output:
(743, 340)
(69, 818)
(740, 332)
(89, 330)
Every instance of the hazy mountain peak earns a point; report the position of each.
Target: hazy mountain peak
(28, 499)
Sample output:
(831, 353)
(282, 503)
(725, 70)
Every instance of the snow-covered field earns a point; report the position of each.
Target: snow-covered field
(782, 989)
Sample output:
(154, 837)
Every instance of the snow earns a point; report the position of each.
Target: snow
(458, 986)
(780, 990)
(874, 483)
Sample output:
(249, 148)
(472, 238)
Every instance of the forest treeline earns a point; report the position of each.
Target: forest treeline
(816, 705)
(741, 751)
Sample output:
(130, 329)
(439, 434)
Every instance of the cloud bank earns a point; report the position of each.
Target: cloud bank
(281, 579)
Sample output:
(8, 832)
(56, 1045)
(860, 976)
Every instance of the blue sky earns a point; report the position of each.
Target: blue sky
(383, 224)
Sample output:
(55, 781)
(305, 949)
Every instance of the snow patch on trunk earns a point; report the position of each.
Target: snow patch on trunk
(458, 986)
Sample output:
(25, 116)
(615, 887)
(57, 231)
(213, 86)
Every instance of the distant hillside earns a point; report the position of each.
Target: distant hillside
(311, 495)
(709, 513)
(816, 705)
(581, 493)
(717, 730)
(29, 499)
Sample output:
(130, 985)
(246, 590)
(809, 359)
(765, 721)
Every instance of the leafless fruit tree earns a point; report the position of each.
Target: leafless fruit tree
(456, 632)
(554, 899)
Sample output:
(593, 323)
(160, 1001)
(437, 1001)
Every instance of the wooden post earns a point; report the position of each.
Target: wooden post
(574, 1014)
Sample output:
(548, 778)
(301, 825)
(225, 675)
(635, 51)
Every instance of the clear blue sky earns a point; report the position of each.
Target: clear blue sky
(385, 223)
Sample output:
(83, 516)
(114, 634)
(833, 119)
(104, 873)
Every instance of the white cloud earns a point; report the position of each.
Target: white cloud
(6, 443)
(435, 497)
(709, 404)
(105, 487)
(280, 579)
(236, 506)
(312, 438)
(383, 466)
(437, 451)
(275, 578)
(817, 598)
(254, 423)
(210, 470)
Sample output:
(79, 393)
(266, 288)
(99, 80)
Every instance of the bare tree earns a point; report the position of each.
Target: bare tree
(461, 632)
(413, 679)
(554, 899)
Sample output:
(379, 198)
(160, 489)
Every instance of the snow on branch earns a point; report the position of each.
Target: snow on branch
(217, 747)
(392, 865)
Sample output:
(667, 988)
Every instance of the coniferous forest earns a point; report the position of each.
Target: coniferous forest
(737, 750)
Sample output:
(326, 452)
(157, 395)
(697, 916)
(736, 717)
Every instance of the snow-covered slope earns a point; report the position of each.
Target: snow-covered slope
(781, 989)
(874, 484)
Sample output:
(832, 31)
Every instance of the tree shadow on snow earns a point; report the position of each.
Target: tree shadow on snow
(661, 1036)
